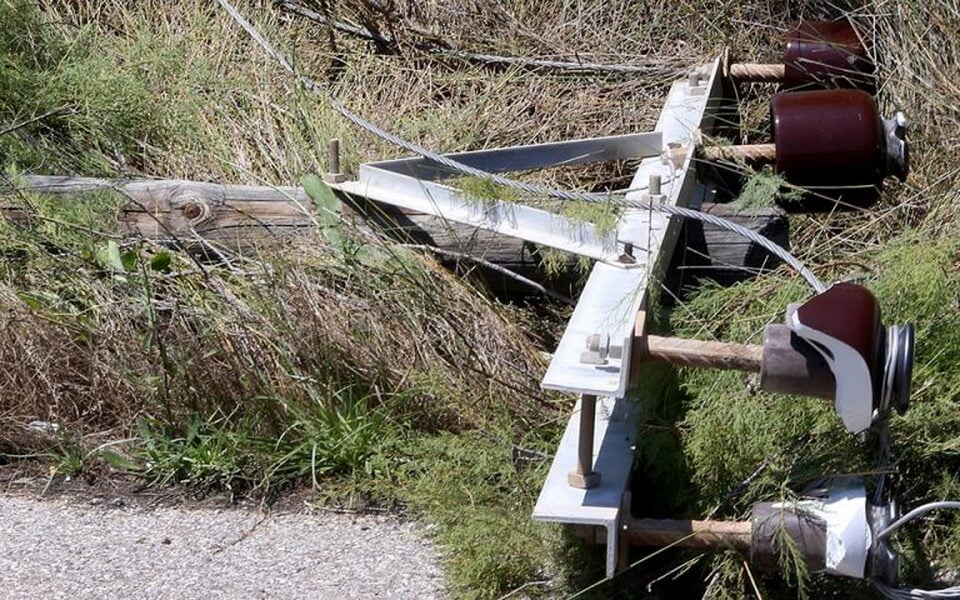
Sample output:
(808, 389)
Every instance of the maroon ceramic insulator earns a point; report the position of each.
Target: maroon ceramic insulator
(850, 313)
(830, 139)
(827, 54)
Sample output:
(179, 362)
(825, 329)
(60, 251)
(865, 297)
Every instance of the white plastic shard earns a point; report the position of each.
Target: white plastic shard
(848, 532)
(842, 324)
(853, 401)
(844, 510)
(608, 307)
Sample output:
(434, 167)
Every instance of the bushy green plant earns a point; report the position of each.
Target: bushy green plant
(730, 431)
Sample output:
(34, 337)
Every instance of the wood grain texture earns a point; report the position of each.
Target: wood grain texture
(690, 534)
(699, 353)
(241, 217)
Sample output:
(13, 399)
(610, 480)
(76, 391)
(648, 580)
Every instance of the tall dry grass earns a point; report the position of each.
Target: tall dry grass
(249, 371)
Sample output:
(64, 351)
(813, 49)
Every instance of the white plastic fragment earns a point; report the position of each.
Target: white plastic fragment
(848, 533)
(854, 399)
(844, 510)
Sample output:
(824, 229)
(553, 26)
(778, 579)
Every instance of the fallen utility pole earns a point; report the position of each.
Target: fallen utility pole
(243, 217)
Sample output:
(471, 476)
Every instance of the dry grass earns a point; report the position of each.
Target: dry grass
(95, 347)
(283, 355)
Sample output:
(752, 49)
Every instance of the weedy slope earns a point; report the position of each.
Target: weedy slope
(366, 371)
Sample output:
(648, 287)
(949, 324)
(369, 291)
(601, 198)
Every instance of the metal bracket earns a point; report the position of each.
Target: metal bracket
(411, 183)
(605, 317)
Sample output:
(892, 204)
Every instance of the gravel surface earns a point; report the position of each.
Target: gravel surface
(62, 549)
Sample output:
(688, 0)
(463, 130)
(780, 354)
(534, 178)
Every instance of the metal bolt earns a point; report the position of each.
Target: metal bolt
(654, 185)
(598, 348)
(654, 190)
(583, 476)
(593, 342)
(334, 156)
(333, 163)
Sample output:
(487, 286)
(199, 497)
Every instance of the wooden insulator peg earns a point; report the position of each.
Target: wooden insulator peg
(786, 364)
(708, 535)
(761, 73)
(748, 153)
(818, 54)
(698, 353)
(751, 154)
(760, 538)
(764, 73)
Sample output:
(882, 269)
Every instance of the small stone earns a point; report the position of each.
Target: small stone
(43, 426)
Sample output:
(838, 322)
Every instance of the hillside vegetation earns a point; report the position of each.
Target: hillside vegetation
(366, 371)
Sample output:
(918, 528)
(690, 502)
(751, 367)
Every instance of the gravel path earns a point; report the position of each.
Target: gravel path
(61, 549)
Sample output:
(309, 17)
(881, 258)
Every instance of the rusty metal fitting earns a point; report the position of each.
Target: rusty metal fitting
(333, 174)
(583, 476)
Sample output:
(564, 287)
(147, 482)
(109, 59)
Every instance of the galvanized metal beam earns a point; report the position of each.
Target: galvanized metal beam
(608, 308)
(410, 183)
(515, 220)
(535, 156)
(609, 303)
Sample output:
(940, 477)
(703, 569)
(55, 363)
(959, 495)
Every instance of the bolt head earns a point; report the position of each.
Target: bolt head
(593, 342)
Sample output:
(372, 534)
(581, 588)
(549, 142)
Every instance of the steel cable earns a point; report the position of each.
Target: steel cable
(901, 593)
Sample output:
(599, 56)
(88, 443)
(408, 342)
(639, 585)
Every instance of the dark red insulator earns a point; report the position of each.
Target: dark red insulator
(831, 141)
(827, 54)
(849, 313)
